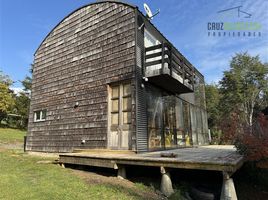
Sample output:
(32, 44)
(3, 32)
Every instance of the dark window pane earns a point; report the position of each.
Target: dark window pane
(44, 114)
(37, 115)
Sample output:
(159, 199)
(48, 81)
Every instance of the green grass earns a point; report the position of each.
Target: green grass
(8, 135)
(23, 178)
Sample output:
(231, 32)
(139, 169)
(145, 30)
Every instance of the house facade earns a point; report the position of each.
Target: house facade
(106, 78)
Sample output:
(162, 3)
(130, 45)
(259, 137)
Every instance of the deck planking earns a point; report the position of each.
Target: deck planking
(213, 157)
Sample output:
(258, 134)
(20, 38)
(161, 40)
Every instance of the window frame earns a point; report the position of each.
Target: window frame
(42, 114)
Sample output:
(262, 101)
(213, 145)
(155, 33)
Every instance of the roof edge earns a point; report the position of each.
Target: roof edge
(86, 5)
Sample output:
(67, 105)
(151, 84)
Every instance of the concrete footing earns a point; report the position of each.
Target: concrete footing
(228, 189)
(121, 173)
(166, 184)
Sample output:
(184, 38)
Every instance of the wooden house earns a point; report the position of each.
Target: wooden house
(106, 78)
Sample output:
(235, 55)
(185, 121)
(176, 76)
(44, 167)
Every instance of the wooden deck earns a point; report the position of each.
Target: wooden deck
(213, 157)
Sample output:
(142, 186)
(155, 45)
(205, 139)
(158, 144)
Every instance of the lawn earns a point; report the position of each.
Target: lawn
(23, 177)
(8, 135)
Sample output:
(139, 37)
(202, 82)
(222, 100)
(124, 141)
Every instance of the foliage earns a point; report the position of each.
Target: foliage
(21, 107)
(27, 84)
(243, 87)
(5, 79)
(254, 143)
(22, 102)
(235, 102)
(14, 108)
(212, 103)
(216, 136)
(6, 98)
(231, 128)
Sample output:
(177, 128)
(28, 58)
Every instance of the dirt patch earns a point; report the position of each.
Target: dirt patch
(97, 179)
(44, 155)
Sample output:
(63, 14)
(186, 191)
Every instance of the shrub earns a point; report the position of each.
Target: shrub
(253, 143)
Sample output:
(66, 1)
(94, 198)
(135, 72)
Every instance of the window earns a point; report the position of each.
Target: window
(149, 39)
(40, 115)
(121, 104)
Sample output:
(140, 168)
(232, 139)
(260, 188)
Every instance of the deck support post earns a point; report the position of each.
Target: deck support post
(121, 173)
(228, 189)
(166, 184)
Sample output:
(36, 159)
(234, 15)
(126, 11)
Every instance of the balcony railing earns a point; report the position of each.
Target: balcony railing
(167, 68)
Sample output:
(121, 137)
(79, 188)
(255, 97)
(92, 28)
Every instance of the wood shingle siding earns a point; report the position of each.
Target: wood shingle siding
(89, 49)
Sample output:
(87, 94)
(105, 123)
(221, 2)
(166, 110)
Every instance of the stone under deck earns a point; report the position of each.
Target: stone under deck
(222, 158)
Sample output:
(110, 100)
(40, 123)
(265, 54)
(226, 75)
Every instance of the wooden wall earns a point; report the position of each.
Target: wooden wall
(89, 49)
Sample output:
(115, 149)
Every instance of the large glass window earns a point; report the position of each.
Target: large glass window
(199, 91)
(179, 122)
(187, 123)
(149, 39)
(204, 126)
(199, 126)
(173, 122)
(168, 120)
(193, 125)
(155, 118)
(169, 114)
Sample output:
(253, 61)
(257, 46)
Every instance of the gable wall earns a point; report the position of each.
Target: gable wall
(91, 48)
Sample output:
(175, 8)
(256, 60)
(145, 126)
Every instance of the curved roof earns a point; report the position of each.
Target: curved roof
(97, 2)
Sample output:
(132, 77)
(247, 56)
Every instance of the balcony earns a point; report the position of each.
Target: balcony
(168, 69)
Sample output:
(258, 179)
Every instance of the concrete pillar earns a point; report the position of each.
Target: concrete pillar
(166, 184)
(121, 173)
(228, 189)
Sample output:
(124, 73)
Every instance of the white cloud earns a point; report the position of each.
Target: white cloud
(17, 90)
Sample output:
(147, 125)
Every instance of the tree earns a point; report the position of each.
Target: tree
(27, 84)
(212, 104)
(6, 96)
(5, 79)
(22, 101)
(244, 87)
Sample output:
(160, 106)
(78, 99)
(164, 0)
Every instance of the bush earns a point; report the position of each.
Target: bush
(253, 143)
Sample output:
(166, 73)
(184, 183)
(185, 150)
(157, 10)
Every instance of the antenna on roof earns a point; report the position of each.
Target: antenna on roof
(149, 13)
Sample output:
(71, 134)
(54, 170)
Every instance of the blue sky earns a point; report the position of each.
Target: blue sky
(24, 24)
